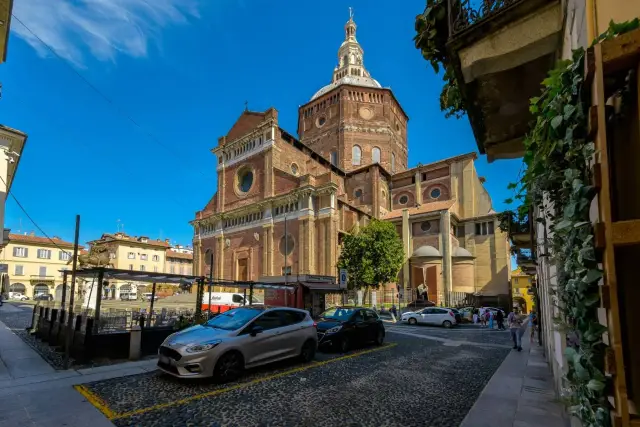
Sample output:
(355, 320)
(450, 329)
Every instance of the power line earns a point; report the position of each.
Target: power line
(100, 93)
(32, 220)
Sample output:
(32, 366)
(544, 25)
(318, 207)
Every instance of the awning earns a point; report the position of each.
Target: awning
(327, 287)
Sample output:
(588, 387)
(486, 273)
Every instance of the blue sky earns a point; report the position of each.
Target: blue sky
(182, 70)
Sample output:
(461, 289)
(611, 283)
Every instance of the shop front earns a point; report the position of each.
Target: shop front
(303, 291)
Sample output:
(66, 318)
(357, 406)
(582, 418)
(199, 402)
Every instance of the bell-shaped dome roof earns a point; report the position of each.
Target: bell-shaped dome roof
(426, 251)
(460, 252)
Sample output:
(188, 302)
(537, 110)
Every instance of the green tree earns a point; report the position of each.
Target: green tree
(372, 256)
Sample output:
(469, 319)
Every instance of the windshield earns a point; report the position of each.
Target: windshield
(233, 319)
(338, 313)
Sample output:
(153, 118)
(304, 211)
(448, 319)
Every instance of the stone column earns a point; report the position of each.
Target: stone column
(406, 243)
(418, 180)
(445, 235)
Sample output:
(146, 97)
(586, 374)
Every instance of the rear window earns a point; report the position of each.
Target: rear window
(290, 317)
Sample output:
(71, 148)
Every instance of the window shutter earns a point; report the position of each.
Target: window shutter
(26, 252)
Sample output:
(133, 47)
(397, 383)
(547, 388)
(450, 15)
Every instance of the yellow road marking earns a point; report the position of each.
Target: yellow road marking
(113, 415)
(95, 400)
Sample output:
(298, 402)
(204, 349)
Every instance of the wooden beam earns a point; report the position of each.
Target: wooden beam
(625, 232)
(621, 52)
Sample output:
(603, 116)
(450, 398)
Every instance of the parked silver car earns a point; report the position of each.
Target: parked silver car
(240, 338)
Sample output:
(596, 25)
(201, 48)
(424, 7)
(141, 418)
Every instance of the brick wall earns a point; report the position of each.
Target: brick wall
(396, 194)
(233, 197)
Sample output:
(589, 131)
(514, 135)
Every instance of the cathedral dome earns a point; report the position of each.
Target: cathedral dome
(347, 80)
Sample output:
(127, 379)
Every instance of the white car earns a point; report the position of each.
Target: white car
(430, 316)
(17, 295)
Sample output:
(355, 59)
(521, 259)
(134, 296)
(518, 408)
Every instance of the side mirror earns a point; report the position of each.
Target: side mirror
(255, 330)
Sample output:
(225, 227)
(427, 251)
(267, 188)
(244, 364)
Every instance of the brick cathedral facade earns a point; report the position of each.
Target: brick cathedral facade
(349, 164)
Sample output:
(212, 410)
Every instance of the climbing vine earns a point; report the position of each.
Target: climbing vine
(432, 30)
(557, 181)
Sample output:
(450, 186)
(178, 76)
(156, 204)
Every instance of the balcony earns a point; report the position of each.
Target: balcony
(517, 226)
(500, 51)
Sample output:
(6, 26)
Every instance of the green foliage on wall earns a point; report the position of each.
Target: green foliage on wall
(557, 181)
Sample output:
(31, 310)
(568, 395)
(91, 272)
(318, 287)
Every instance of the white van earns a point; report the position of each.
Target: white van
(223, 301)
(147, 296)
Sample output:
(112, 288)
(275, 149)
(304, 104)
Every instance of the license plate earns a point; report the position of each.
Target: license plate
(165, 360)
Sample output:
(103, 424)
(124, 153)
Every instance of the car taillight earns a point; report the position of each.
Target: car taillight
(451, 314)
(315, 325)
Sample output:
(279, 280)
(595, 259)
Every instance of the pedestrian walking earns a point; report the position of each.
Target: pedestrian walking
(533, 320)
(475, 318)
(490, 314)
(515, 325)
(500, 320)
(394, 312)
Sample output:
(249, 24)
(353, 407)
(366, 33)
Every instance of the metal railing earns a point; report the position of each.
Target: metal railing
(466, 13)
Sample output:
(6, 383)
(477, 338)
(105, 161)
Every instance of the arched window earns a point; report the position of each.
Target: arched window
(356, 155)
(375, 155)
(393, 163)
(334, 158)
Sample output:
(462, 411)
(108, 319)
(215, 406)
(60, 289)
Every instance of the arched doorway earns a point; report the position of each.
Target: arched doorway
(40, 289)
(18, 287)
(58, 295)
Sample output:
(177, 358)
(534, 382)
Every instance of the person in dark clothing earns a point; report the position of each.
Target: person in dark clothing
(500, 320)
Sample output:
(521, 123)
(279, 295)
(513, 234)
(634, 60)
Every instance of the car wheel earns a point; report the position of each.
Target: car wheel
(380, 337)
(229, 367)
(447, 324)
(344, 345)
(308, 352)
(412, 321)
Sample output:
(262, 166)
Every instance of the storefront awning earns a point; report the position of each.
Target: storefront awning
(318, 286)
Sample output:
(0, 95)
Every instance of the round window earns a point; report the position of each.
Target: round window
(358, 193)
(245, 180)
(425, 226)
(294, 169)
(435, 193)
(403, 200)
(286, 245)
(321, 121)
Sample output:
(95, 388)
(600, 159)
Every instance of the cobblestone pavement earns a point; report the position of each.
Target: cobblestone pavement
(409, 382)
(18, 322)
(470, 333)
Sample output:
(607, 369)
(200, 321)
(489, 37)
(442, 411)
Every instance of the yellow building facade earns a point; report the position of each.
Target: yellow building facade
(522, 291)
(34, 265)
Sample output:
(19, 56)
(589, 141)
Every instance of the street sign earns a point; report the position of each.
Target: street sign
(343, 278)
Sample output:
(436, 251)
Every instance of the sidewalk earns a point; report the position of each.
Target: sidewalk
(520, 394)
(32, 393)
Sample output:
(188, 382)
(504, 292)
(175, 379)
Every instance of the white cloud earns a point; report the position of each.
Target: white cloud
(102, 28)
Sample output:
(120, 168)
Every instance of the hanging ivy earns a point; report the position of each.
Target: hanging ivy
(432, 30)
(557, 180)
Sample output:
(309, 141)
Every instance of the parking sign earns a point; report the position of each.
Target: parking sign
(343, 278)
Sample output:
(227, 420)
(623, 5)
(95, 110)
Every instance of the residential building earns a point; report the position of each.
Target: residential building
(499, 53)
(12, 141)
(34, 264)
(179, 261)
(132, 253)
(522, 291)
(283, 205)
(142, 254)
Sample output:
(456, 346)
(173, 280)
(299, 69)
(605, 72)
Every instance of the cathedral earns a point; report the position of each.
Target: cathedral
(283, 203)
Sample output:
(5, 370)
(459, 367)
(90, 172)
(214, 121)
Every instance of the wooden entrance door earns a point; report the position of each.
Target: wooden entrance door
(243, 269)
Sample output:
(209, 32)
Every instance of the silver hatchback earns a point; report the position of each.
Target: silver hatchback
(241, 338)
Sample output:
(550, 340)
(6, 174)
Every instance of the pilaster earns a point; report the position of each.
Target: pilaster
(445, 234)
(406, 242)
(219, 259)
(321, 253)
(222, 185)
(418, 189)
(375, 191)
(331, 240)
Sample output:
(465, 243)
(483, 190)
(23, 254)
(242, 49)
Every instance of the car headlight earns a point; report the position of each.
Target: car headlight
(197, 348)
(334, 329)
